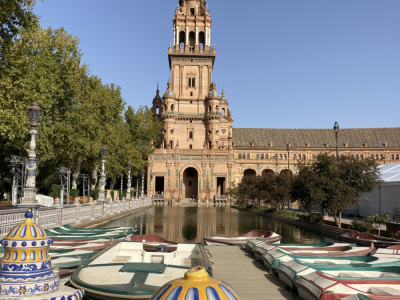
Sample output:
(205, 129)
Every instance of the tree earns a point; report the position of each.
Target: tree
(334, 184)
(14, 15)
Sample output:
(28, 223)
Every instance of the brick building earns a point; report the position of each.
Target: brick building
(202, 154)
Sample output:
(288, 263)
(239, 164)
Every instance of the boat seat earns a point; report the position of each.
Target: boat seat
(350, 275)
(384, 290)
(120, 259)
(389, 275)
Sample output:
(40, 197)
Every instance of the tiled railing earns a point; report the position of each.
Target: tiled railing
(49, 217)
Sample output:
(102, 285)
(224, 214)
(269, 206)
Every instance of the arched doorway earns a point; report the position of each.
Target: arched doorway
(190, 182)
(267, 172)
(287, 172)
(249, 172)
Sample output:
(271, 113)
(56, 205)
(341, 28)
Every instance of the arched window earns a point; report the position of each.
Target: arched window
(280, 156)
(392, 157)
(304, 157)
(381, 157)
(172, 107)
(361, 157)
(202, 40)
(258, 155)
(284, 156)
(165, 107)
(262, 156)
(192, 40)
(397, 157)
(356, 157)
(157, 110)
(209, 108)
(248, 155)
(239, 156)
(266, 156)
(182, 40)
(376, 156)
(371, 156)
(313, 156)
(223, 111)
(299, 157)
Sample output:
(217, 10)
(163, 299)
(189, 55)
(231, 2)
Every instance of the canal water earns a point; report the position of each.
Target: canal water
(192, 224)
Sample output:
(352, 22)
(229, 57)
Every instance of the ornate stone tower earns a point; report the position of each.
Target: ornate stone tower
(196, 120)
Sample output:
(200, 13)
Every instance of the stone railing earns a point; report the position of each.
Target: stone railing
(49, 217)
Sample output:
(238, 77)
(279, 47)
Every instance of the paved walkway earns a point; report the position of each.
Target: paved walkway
(247, 276)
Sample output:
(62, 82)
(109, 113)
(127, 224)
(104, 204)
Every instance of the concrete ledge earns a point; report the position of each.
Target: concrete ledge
(104, 220)
(328, 230)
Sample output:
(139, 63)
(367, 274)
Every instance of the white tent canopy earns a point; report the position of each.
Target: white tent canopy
(386, 197)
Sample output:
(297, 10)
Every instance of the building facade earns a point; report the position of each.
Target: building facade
(201, 154)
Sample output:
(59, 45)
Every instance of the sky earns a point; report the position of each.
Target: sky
(282, 63)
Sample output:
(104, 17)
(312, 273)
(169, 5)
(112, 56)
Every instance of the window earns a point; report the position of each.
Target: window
(190, 146)
(223, 111)
(262, 156)
(192, 82)
(304, 157)
(248, 155)
(397, 157)
(192, 11)
(172, 107)
(191, 135)
(258, 156)
(191, 94)
(266, 156)
(239, 156)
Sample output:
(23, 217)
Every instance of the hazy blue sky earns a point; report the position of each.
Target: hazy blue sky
(283, 63)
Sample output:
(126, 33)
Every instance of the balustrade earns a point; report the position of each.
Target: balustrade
(49, 217)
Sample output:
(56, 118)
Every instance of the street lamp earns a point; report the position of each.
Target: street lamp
(122, 186)
(102, 196)
(137, 186)
(129, 187)
(142, 193)
(29, 198)
(336, 129)
(288, 171)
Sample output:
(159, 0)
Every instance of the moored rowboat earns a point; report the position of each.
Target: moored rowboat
(262, 235)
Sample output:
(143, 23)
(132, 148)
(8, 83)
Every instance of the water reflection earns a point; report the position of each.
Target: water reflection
(192, 224)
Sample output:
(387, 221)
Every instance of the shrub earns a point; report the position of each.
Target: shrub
(314, 218)
(94, 194)
(361, 226)
(74, 193)
(396, 235)
(55, 190)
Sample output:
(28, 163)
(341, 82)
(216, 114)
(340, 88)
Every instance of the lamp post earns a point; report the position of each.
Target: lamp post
(129, 187)
(122, 186)
(137, 186)
(288, 171)
(102, 196)
(336, 130)
(29, 197)
(142, 193)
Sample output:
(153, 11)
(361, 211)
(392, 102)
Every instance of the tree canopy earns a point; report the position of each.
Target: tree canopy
(79, 112)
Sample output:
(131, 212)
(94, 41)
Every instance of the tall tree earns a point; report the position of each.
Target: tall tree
(334, 184)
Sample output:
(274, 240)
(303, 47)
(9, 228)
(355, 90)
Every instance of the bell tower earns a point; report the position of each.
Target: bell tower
(196, 121)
